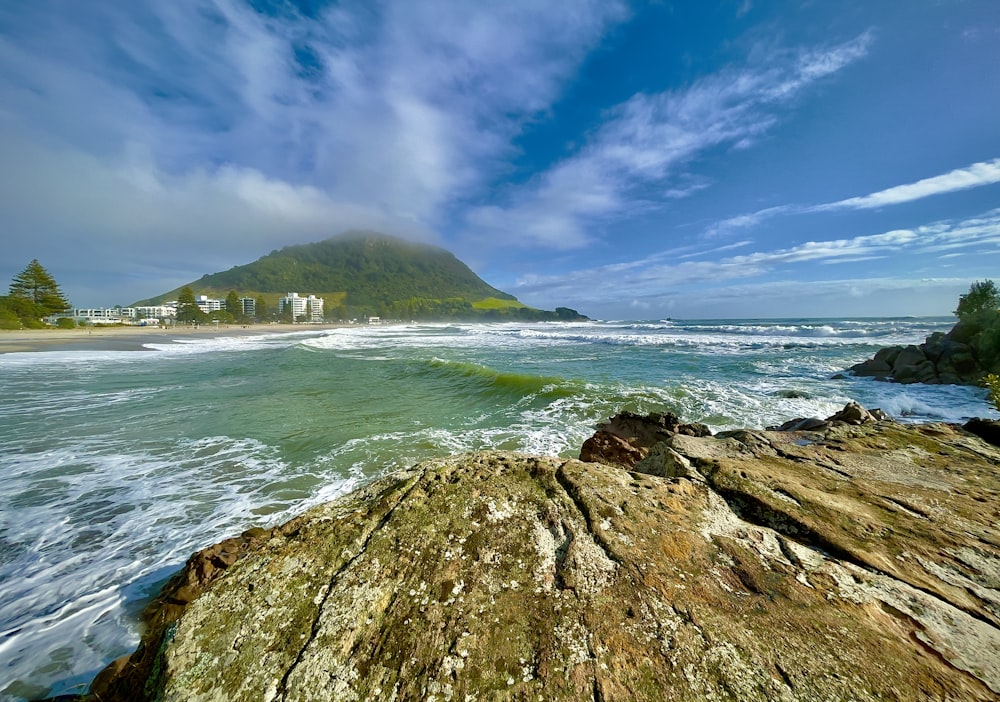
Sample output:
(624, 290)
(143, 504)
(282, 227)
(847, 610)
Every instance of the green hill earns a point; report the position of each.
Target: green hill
(366, 273)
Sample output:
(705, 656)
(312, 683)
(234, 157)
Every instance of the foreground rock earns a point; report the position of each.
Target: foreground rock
(855, 562)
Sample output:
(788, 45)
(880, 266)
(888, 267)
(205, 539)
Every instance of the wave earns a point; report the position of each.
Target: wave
(507, 383)
(101, 523)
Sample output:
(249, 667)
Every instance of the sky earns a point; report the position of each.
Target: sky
(632, 160)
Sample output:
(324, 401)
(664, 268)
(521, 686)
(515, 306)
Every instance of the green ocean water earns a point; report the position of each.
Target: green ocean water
(114, 466)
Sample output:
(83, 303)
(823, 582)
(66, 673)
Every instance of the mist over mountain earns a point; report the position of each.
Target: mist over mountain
(362, 273)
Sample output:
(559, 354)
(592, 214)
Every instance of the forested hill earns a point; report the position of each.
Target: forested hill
(366, 273)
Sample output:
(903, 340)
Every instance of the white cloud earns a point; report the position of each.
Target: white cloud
(974, 176)
(87, 215)
(648, 140)
(403, 106)
(658, 276)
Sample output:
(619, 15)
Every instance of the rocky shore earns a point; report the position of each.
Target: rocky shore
(847, 558)
(955, 358)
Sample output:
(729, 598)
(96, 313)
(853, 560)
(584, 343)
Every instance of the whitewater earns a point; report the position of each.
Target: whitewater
(115, 466)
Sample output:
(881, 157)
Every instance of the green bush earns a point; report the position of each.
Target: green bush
(66, 323)
(992, 383)
(983, 299)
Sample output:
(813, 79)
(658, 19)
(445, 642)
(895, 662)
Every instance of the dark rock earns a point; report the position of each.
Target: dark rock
(950, 358)
(934, 346)
(801, 424)
(694, 429)
(604, 447)
(986, 429)
(627, 437)
(792, 394)
(881, 365)
(909, 356)
(853, 413)
(879, 415)
(964, 332)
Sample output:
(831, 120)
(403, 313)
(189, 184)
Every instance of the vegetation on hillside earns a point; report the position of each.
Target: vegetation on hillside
(33, 295)
(361, 274)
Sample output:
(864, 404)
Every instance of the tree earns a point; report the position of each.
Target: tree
(9, 319)
(982, 297)
(36, 292)
(234, 306)
(187, 308)
(260, 308)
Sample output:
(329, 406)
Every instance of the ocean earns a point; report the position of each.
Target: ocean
(115, 466)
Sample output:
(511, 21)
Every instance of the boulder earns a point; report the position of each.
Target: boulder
(934, 346)
(881, 365)
(986, 429)
(964, 332)
(626, 438)
(921, 372)
(801, 424)
(857, 562)
(943, 358)
(853, 413)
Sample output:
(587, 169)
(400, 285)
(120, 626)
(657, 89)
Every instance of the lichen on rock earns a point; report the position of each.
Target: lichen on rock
(860, 564)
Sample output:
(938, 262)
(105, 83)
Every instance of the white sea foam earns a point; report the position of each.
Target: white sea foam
(86, 528)
(116, 465)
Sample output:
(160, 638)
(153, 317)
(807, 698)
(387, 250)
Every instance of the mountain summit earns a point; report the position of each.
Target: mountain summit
(371, 273)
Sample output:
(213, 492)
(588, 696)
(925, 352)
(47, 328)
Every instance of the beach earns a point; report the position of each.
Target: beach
(115, 338)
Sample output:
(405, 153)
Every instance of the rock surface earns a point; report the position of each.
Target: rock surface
(946, 359)
(859, 561)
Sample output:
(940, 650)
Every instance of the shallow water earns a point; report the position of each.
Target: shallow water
(115, 466)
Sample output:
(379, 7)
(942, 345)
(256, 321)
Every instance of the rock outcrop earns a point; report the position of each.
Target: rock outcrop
(946, 359)
(856, 561)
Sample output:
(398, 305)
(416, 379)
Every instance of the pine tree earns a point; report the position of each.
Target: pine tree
(234, 306)
(260, 308)
(187, 308)
(38, 291)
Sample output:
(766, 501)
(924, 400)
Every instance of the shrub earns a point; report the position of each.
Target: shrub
(983, 297)
(992, 383)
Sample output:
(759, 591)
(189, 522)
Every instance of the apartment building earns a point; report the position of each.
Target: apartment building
(308, 308)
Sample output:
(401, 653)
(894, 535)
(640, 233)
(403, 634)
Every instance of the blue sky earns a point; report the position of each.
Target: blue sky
(629, 159)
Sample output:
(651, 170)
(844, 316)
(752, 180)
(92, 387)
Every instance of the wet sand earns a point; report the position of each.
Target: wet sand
(132, 338)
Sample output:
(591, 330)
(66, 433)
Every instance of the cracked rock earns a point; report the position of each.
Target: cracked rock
(855, 561)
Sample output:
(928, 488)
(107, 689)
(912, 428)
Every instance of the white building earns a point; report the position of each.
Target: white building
(106, 315)
(310, 308)
(208, 304)
(156, 312)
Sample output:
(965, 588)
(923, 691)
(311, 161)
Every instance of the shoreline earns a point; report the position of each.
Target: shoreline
(134, 338)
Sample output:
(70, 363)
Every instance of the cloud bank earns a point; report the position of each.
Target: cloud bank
(208, 126)
(660, 277)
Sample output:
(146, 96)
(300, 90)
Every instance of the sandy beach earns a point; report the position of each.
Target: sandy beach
(132, 338)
